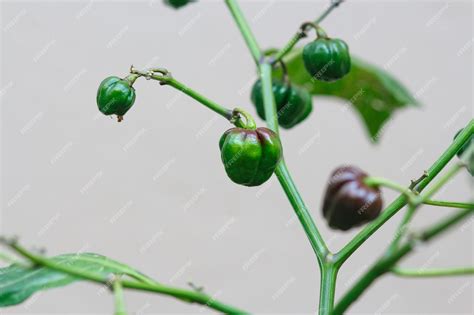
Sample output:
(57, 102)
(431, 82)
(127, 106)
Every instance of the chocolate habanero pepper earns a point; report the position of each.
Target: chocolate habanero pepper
(116, 96)
(327, 59)
(348, 201)
(250, 156)
(293, 103)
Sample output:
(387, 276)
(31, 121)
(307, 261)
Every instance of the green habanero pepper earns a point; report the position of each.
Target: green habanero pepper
(470, 159)
(116, 96)
(327, 59)
(293, 104)
(250, 156)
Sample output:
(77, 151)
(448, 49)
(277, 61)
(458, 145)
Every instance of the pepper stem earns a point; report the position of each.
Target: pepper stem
(320, 33)
(236, 119)
(383, 182)
(131, 78)
(284, 73)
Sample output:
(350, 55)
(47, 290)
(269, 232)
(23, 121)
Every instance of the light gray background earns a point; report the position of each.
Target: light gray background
(152, 191)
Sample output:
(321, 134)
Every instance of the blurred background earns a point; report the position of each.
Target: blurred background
(152, 191)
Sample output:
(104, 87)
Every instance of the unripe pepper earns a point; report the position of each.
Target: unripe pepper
(348, 201)
(327, 59)
(250, 156)
(293, 104)
(116, 96)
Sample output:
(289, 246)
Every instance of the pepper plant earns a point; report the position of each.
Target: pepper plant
(282, 96)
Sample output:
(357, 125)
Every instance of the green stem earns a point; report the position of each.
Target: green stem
(245, 30)
(166, 79)
(401, 201)
(328, 272)
(385, 263)
(312, 232)
(302, 32)
(268, 97)
(403, 227)
(282, 172)
(289, 46)
(441, 272)
(443, 225)
(224, 112)
(247, 123)
(449, 204)
(334, 4)
(232, 115)
(184, 295)
(383, 182)
(433, 189)
(118, 297)
(9, 259)
(327, 288)
(411, 210)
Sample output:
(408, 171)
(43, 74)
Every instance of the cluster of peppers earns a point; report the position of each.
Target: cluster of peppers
(250, 155)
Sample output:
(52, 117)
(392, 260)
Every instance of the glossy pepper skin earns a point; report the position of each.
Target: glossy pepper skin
(115, 96)
(250, 156)
(470, 162)
(327, 59)
(293, 104)
(349, 202)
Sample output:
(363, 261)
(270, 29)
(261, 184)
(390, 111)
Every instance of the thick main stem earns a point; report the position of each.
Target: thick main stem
(118, 297)
(245, 30)
(312, 232)
(328, 272)
(283, 174)
(327, 288)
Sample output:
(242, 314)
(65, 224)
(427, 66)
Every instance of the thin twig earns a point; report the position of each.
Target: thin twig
(302, 32)
(425, 273)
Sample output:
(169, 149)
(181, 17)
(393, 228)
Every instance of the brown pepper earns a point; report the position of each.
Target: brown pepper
(348, 201)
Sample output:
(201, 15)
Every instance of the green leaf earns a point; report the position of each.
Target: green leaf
(19, 282)
(374, 93)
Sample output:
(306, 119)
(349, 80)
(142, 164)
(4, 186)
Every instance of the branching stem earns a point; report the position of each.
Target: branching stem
(401, 201)
(387, 262)
(118, 296)
(184, 295)
(329, 264)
